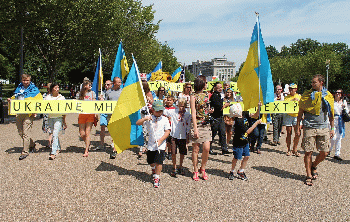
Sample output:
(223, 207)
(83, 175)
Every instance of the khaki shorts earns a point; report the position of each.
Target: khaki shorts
(204, 134)
(318, 138)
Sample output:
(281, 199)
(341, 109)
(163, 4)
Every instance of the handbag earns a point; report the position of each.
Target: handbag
(345, 116)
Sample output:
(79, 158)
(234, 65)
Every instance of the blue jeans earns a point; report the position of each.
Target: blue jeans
(257, 136)
(55, 125)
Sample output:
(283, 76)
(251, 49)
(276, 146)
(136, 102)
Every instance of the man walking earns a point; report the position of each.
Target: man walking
(218, 124)
(277, 118)
(315, 105)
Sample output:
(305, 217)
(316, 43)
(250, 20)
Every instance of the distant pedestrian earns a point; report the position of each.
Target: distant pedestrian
(277, 118)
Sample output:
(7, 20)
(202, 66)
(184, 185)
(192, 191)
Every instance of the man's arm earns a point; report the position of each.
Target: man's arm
(300, 115)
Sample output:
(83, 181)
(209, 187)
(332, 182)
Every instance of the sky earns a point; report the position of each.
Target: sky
(203, 30)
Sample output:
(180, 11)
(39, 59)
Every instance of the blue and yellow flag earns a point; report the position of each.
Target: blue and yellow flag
(157, 71)
(255, 76)
(98, 79)
(122, 125)
(121, 68)
(176, 74)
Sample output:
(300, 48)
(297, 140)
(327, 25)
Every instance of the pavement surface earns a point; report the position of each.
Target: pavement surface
(73, 188)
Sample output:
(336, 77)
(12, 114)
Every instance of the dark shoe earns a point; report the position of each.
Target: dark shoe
(274, 143)
(242, 176)
(113, 155)
(181, 171)
(23, 156)
(173, 173)
(225, 152)
(212, 152)
(231, 176)
(338, 158)
(265, 138)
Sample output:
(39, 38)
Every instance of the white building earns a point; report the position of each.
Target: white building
(219, 67)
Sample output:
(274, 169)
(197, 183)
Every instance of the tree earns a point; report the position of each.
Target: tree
(189, 77)
(271, 51)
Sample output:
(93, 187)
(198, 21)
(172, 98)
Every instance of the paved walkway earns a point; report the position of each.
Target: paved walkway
(100, 189)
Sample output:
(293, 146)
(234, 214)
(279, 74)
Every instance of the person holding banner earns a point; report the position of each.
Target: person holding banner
(201, 130)
(56, 122)
(317, 107)
(85, 121)
(277, 118)
(290, 120)
(24, 122)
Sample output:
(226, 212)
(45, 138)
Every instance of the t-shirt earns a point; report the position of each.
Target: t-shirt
(202, 108)
(156, 128)
(113, 94)
(240, 138)
(316, 121)
(180, 124)
(88, 96)
(50, 97)
(296, 97)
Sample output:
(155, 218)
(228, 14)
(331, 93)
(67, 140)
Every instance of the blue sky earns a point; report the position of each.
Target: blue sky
(209, 29)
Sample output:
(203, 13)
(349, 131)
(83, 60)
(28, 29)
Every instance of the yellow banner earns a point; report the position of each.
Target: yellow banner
(61, 106)
(165, 76)
(172, 86)
(274, 107)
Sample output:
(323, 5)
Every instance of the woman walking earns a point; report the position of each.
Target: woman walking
(339, 125)
(201, 127)
(86, 120)
(56, 122)
(229, 121)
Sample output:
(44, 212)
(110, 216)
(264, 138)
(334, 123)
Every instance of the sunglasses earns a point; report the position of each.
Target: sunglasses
(161, 90)
(189, 87)
(338, 92)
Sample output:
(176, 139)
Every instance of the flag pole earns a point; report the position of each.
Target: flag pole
(101, 85)
(259, 63)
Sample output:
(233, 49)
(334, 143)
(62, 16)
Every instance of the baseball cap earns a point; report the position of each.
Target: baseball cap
(293, 86)
(157, 105)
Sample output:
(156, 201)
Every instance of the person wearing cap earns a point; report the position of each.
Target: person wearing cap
(158, 127)
(290, 121)
(277, 118)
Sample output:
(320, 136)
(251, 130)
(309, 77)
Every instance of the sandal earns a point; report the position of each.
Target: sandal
(52, 157)
(297, 154)
(195, 176)
(86, 155)
(204, 175)
(289, 153)
(308, 181)
(173, 173)
(314, 173)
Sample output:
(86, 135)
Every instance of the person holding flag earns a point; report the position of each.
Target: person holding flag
(26, 90)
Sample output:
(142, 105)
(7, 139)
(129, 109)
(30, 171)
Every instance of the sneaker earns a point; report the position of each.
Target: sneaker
(23, 156)
(181, 171)
(156, 182)
(225, 152)
(338, 158)
(211, 152)
(113, 155)
(231, 176)
(242, 176)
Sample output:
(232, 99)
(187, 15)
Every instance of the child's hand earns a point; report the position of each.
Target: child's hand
(260, 104)
(259, 121)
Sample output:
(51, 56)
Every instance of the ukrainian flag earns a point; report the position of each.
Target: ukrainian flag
(30, 93)
(176, 74)
(249, 81)
(121, 68)
(122, 125)
(157, 71)
(98, 79)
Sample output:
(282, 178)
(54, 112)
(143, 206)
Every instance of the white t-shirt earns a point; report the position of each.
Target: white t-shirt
(180, 126)
(156, 129)
(50, 97)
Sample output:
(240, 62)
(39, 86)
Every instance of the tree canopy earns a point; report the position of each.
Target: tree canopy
(62, 38)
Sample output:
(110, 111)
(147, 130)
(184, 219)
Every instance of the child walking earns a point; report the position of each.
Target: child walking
(159, 129)
(180, 130)
(240, 140)
(169, 109)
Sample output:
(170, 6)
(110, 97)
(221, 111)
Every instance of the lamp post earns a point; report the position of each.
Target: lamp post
(327, 66)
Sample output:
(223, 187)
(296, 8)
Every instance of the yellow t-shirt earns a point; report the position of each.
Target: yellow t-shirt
(296, 97)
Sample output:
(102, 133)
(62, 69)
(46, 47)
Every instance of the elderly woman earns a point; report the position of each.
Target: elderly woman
(339, 125)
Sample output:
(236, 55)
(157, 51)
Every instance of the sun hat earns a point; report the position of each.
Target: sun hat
(293, 86)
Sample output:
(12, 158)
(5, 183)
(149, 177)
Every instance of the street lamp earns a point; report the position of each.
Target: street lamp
(327, 66)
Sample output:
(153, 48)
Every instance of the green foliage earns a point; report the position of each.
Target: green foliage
(189, 77)
(62, 38)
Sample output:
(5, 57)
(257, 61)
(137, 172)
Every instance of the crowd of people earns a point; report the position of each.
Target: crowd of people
(172, 120)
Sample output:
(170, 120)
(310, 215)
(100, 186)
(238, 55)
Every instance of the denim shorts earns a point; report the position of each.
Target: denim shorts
(289, 120)
(240, 151)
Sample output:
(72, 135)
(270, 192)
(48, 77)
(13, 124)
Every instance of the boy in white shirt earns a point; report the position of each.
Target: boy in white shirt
(180, 130)
(159, 129)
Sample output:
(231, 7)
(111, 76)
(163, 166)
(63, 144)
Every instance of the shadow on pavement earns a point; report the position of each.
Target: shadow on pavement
(14, 150)
(279, 173)
(145, 177)
(331, 159)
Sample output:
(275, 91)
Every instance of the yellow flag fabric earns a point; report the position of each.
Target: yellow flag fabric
(314, 106)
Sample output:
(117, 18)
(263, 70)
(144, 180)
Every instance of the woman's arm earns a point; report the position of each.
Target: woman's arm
(194, 115)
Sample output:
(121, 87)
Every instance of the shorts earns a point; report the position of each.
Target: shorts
(204, 134)
(289, 120)
(103, 119)
(169, 139)
(86, 118)
(240, 151)
(157, 157)
(311, 136)
(181, 144)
